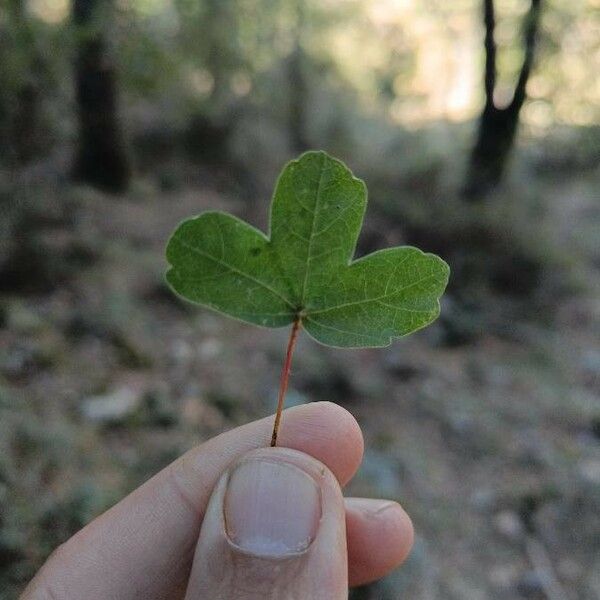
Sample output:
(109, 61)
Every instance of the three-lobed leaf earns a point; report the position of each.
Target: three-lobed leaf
(304, 268)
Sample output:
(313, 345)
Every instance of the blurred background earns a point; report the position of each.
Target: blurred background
(476, 126)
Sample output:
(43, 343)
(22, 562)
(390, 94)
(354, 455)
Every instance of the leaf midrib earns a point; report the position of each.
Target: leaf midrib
(231, 268)
(367, 300)
(312, 232)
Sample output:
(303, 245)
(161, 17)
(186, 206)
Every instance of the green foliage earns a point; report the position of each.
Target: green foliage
(304, 269)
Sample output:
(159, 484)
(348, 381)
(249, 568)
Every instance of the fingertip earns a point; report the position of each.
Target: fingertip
(327, 431)
(380, 535)
(400, 530)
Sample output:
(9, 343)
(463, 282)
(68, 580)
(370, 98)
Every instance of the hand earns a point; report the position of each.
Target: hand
(233, 520)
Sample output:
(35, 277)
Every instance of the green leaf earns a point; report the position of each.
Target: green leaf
(304, 268)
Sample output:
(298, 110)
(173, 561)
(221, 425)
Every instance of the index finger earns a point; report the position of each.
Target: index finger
(143, 546)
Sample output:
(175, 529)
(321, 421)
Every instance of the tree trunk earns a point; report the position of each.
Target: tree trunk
(498, 125)
(297, 80)
(101, 159)
(298, 98)
(24, 132)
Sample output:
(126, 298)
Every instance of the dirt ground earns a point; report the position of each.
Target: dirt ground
(492, 445)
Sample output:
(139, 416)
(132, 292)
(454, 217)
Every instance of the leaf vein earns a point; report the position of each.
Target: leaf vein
(312, 229)
(367, 300)
(338, 216)
(408, 310)
(345, 331)
(231, 268)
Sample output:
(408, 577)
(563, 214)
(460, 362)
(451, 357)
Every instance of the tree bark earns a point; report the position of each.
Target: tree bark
(101, 159)
(498, 125)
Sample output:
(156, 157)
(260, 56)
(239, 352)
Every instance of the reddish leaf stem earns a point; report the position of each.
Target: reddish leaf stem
(285, 376)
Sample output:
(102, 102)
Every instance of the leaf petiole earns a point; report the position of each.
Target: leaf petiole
(285, 376)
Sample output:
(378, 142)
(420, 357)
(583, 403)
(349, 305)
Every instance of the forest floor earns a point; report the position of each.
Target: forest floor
(492, 444)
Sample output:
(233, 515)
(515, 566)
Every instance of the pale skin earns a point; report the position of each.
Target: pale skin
(195, 529)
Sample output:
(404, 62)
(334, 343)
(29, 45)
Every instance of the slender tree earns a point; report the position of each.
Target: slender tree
(498, 125)
(101, 159)
(23, 124)
(298, 97)
(296, 66)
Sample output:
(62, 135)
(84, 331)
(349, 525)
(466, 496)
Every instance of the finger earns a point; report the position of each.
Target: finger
(380, 536)
(275, 528)
(146, 542)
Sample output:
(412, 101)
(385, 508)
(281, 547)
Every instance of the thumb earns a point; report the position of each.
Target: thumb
(274, 529)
